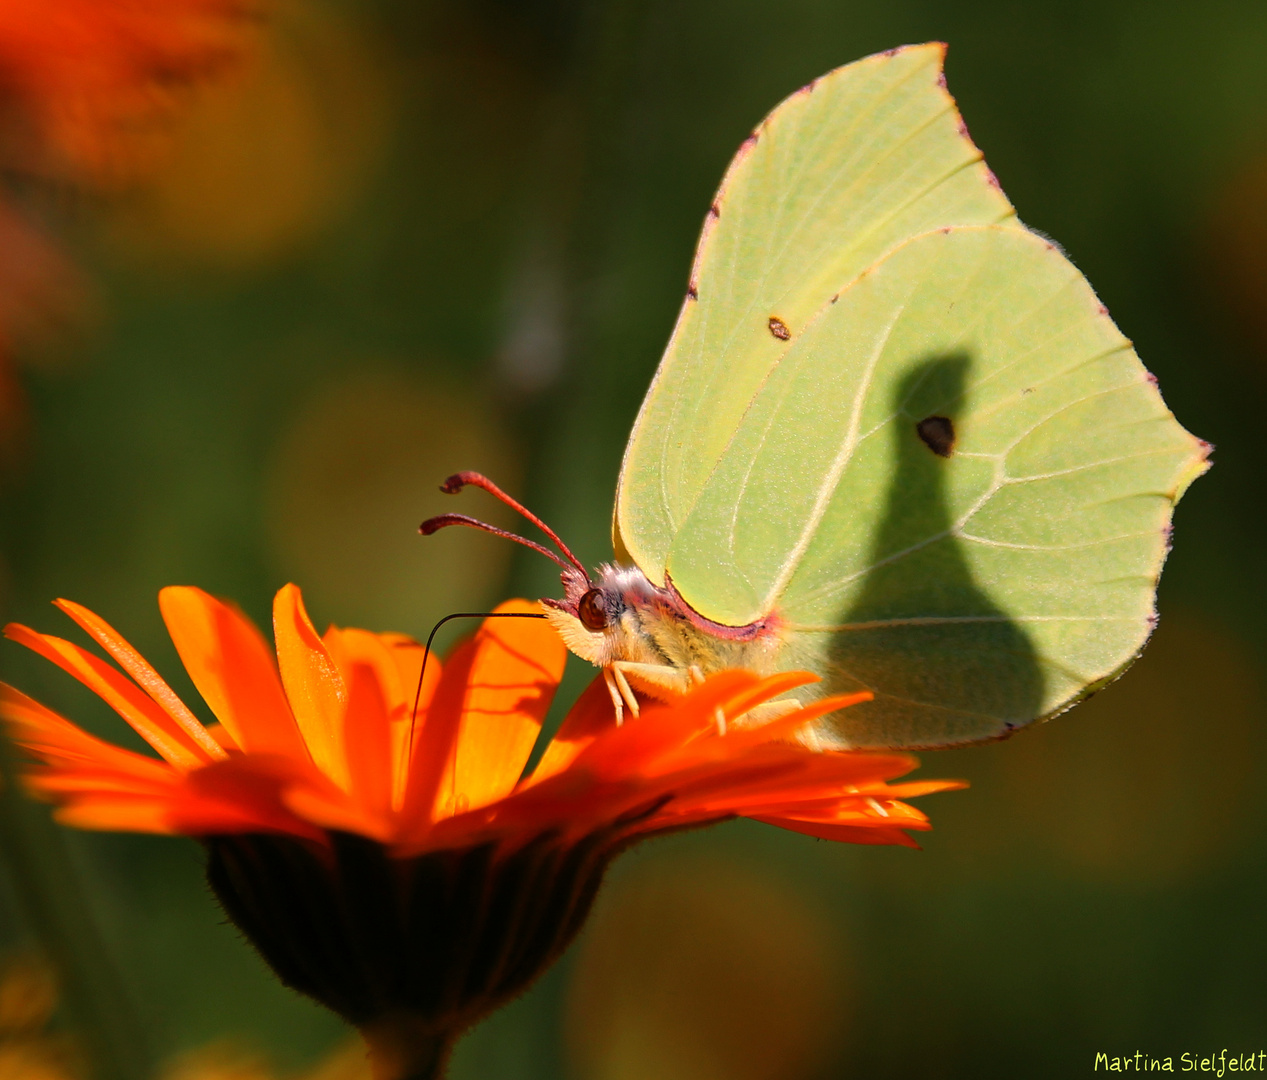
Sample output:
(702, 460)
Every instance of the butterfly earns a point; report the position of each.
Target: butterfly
(895, 439)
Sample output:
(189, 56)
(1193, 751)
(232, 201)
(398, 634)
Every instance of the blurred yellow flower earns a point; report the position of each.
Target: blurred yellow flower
(224, 1061)
(262, 162)
(705, 970)
(28, 997)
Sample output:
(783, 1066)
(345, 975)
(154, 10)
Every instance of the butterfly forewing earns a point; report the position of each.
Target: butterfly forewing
(839, 174)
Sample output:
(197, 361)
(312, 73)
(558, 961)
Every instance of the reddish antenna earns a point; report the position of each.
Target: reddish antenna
(458, 481)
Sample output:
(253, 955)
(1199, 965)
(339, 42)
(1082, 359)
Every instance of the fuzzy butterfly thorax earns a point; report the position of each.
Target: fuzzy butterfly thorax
(620, 615)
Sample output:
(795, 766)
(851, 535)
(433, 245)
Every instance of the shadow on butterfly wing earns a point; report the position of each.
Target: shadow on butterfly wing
(946, 663)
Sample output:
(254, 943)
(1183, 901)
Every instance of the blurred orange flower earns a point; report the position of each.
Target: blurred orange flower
(92, 77)
(87, 92)
(410, 875)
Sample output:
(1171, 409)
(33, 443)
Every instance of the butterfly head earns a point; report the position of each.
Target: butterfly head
(600, 618)
(609, 616)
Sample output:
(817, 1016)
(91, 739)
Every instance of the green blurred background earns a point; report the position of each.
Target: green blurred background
(422, 235)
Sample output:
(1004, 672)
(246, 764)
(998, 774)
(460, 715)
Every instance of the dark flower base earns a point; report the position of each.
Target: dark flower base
(444, 937)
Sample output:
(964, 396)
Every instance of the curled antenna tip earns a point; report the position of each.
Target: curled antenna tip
(455, 483)
(460, 480)
(435, 524)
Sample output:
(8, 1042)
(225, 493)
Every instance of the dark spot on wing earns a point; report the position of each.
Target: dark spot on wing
(692, 292)
(715, 211)
(779, 328)
(938, 434)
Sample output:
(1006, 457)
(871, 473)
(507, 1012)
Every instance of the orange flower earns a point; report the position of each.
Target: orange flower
(93, 76)
(409, 874)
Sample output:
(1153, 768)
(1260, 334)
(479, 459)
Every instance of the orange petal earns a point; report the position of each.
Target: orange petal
(45, 734)
(151, 722)
(666, 734)
(221, 735)
(145, 676)
(916, 788)
(314, 687)
(677, 749)
(117, 815)
(249, 794)
(433, 737)
(407, 654)
(516, 671)
(232, 667)
(786, 727)
(590, 716)
(64, 783)
(419, 684)
(371, 678)
(343, 814)
(486, 713)
(785, 778)
(849, 834)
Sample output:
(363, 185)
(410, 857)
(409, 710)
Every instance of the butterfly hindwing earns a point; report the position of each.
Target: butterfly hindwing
(974, 585)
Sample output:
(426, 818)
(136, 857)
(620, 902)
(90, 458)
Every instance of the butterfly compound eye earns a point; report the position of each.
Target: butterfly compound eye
(592, 611)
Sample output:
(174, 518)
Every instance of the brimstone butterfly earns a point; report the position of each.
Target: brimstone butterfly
(895, 439)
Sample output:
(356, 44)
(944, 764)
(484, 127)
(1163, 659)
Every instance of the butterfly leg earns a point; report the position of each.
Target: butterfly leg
(655, 679)
(617, 702)
(626, 691)
(659, 681)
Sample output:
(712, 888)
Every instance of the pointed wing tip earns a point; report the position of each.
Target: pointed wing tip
(1198, 463)
(930, 52)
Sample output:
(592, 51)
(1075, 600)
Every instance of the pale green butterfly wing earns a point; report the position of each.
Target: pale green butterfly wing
(838, 175)
(971, 593)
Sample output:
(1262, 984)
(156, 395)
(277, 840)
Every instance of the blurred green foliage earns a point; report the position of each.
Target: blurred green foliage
(504, 219)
